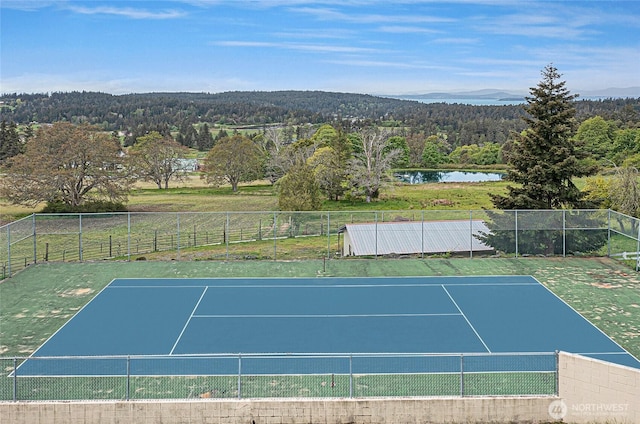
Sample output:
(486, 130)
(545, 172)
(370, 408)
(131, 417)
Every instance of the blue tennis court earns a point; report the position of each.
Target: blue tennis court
(184, 318)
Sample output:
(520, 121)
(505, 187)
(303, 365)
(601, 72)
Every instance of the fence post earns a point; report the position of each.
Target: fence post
(80, 237)
(275, 234)
(471, 234)
(328, 235)
(516, 228)
(178, 235)
(637, 249)
(461, 375)
(239, 376)
(127, 396)
(226, 234)
(557, 388)
(9, 250)
(564, 233)
(376, 237)
(422, 234)
(35, 245)
(15, 379)
(609, 233)
(128, 236)
(350, 376)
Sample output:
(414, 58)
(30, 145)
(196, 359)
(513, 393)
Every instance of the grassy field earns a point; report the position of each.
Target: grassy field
(193, 195)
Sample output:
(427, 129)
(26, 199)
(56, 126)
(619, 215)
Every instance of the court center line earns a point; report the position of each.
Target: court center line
(466, 319)
(325, 315)
(188, 320)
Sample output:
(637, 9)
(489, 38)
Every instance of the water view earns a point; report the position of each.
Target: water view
(422, 177)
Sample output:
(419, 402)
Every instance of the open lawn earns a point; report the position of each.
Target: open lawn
(193, 195)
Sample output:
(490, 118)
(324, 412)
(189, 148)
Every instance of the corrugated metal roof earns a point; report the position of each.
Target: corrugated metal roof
(415, 237)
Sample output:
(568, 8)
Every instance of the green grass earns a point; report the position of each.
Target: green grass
(277, 386)
(193, 195)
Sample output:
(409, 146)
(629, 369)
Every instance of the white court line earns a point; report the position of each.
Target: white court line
(324, 316)
(466, 319)
(188, 320)
(328, 286)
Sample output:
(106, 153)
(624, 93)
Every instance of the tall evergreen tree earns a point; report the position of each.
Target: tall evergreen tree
(205, 139)
(10, 144)
(543, 161)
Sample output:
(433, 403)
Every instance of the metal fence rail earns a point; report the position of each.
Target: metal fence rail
(85, 237)
(277, 375)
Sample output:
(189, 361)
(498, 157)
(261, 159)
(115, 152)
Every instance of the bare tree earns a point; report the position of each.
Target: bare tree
(372, 160)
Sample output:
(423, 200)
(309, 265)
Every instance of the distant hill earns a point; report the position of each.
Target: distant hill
(495, 94)
(477, 94)
(458, 123)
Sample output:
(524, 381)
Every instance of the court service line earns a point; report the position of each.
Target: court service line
(466, 319)
(188, 320)
(324, 315)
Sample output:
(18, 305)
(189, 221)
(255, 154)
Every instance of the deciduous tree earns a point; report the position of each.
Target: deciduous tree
(372, 160)
(298, 189)
(329, 171)
(68, 164)
(233, 160)
(157, 159)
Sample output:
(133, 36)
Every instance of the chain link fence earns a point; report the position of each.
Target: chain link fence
(280, 235)
(246, 376)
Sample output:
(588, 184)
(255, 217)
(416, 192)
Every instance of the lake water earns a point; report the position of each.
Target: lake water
(474, 102)
(422, 177)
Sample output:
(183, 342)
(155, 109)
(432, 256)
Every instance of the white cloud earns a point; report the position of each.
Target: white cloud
(324, 48)
(127, 12)
(403, 29)
(28, 5)
(335, 15)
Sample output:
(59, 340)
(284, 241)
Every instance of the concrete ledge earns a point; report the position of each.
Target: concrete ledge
(285, 411)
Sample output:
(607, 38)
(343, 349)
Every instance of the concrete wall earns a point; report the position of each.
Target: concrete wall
(283, 411)
(590, 391)
(595, 391)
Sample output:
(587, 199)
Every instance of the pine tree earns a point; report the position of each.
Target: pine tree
(205, 139)
(10, 144)
(544, 159)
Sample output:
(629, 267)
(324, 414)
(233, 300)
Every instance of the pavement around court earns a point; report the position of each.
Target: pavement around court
(449, 315)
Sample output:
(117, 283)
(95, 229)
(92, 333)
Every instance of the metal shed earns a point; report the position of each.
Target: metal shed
(386, 238)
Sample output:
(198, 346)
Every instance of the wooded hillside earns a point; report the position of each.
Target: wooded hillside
(460, 124)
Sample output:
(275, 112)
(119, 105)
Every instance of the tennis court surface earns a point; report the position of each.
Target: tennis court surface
(185, 318)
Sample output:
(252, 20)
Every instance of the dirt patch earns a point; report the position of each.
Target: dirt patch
(76, 292)
(606, 285)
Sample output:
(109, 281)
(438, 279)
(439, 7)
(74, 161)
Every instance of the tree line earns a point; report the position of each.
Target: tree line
(133, 114)
(75, 164)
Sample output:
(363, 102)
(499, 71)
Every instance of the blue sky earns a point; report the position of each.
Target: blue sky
(359, 46)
